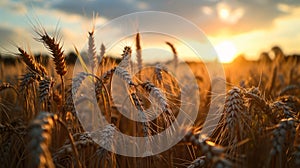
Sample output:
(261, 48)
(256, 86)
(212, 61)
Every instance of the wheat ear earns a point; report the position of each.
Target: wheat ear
(77, 81)
(124, 75)
(233, 123)
(234, 107)
(56, 51)
(289, 88)
(45, 88)
(126, 58)
(83, 142)
(4, 86)
(92, 52)
(141, 115)
(105, 138)
(28, 79)
(101, 56)
(158, 72)
(144, 122)
(283, 135)
(58, 57)
(31, 63)
(175, 55)
(40, 139)
(99, 87)
(212, 152)
(282, 110)
(157, 95)
(198, 162)
(139, 53)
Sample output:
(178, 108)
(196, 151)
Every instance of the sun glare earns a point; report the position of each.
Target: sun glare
(226, 51)
(224, 13)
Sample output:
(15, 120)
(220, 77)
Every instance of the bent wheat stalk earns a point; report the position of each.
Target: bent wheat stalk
(31, 63)
(58, 57)
(175, 55)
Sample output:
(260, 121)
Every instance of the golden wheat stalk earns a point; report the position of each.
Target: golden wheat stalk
(175, 55)
(104, 155)
(31, 63)
(107, 75)
(84, 144)
(4, 86)
(40, 135)
(158, 72)
(214, 153)
(126, 58)
(141, 115)
(139, 52)
(56, 51)
(283, 138)
(92, 52)
(102, 53)
(45, 92)
(45, 86)
(102, 91)
(234, 107)
(101, 57)
(58, 57)
(40, 138)
(259, 101)
(28, 79)
(77, 81)
(282, 110)
(124, 75)
(157, 94)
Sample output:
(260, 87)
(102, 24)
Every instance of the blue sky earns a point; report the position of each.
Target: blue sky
(251, 26)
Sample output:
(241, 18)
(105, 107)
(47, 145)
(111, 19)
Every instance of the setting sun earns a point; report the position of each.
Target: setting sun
(224, 13)
(226, 51)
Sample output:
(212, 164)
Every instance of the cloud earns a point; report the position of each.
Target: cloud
(14, 7)
(107, 9)
(5, 32)
(207, 10)
(283, 7)
(13, 37)
(228, 14)
(213, 16)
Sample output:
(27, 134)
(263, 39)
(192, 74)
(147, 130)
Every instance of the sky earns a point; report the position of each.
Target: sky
(232, 26)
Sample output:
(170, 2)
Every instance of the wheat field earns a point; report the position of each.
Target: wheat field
(40, 126)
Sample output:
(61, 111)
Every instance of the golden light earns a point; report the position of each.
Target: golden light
(226, 51)
(224, 13)
(223, 10)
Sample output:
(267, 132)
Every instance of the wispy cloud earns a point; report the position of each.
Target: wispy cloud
(14, 7)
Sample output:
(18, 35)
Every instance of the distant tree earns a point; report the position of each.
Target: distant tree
(71, 58)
